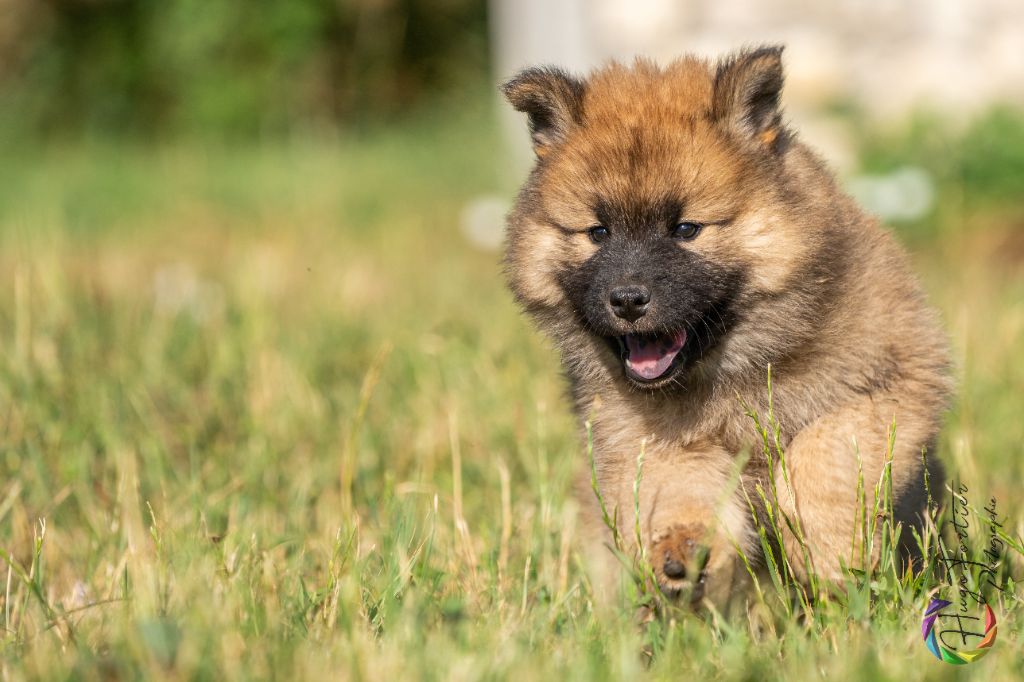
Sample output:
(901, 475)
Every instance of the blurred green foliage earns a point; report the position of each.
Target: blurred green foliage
(232, 67)
(976, 168)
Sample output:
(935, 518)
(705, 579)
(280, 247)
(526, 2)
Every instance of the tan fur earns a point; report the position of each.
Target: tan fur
(829, 302)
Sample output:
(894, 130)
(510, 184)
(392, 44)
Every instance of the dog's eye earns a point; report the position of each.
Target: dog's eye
(686, 230)
(598, 233)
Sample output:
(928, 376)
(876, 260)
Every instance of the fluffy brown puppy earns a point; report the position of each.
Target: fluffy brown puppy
(674, 240)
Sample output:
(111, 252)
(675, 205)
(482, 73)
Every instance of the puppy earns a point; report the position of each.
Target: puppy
(675, 240)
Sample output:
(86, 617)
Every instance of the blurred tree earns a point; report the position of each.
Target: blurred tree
(238, 67)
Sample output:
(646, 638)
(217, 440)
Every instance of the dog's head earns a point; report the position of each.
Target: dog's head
(659, 212)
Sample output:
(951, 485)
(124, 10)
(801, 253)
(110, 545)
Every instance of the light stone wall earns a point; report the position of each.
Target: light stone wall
(886, 56)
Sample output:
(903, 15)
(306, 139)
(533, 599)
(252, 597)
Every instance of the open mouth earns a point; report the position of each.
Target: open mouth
(651, 358)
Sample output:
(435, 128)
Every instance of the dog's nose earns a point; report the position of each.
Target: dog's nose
(630, 302)
(674, 568)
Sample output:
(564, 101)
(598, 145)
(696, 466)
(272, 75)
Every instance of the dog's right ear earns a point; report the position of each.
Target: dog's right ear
(552, 101)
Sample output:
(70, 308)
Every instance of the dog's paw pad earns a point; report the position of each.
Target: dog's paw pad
(679, 557)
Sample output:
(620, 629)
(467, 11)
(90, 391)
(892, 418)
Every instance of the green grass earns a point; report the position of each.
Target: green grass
(265, 413)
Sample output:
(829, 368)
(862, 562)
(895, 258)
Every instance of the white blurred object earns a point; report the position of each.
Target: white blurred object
(905, 194)
(623, 26)
(483, 222)
(178, 289)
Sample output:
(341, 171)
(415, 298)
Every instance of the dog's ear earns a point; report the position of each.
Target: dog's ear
(552, 101)
(746, 96)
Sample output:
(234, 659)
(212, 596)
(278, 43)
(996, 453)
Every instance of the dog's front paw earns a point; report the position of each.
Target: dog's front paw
(680, 556)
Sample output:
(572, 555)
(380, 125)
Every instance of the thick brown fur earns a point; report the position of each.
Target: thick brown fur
(798, 278)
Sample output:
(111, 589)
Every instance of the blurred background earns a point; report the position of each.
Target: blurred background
(860, 73)
(251, 304)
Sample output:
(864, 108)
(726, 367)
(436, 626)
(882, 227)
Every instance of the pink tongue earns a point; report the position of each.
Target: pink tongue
(650, 357)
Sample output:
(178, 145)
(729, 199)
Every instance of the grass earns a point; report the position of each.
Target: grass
(264, 413)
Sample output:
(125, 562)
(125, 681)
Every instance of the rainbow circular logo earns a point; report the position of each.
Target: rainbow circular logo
(944, 653)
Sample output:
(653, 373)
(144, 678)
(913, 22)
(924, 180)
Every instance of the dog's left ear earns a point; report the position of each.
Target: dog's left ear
(552, 101)
(746, 96)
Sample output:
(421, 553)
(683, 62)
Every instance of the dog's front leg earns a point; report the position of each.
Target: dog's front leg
(692, 517)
